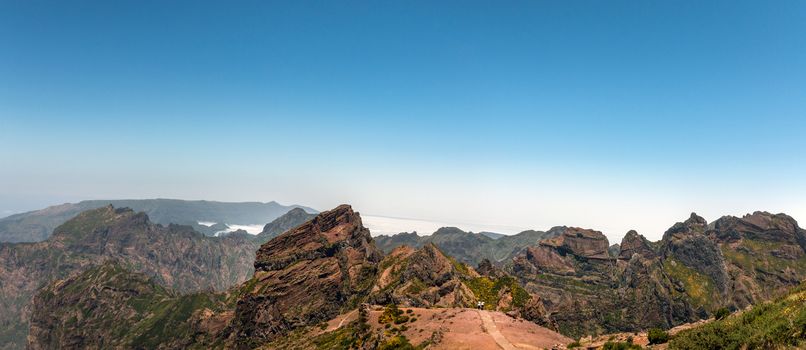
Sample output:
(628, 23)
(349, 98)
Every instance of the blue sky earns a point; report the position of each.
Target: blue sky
(610, 115)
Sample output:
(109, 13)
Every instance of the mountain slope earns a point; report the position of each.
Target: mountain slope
(38, 225)
(128, 311)
(779, 324)
(174, 256)
(694, 270)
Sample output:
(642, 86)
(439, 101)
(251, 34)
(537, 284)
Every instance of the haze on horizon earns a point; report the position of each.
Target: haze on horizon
(606, 115)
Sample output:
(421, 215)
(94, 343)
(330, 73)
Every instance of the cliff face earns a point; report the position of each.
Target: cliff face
(694, 270)
(306, 276)
(110, 307)
(632, 244)
(175, 257)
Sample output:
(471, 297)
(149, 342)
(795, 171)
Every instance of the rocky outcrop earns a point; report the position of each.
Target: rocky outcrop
(633, 243)
(586, 244)
(306, 276)
(689, 246)
(694, 270)
(424, 277)
(574, 276)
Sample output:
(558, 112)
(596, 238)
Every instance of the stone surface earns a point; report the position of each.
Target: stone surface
(306, 276)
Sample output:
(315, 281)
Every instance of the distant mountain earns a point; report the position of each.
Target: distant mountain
(287, 221)
(492, 235)
(467, 247)
(36, 226)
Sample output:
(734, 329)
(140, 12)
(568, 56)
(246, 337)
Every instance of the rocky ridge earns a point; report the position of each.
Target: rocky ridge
(174, 256)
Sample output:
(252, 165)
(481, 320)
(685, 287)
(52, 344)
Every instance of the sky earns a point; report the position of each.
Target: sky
(611, 115)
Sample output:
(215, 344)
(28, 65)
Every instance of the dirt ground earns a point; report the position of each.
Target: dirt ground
(466, 329)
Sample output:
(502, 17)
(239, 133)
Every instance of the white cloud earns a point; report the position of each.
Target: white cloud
(251, 229)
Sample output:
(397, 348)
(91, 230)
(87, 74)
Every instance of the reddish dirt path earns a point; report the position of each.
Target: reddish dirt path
(491, 329)
(467, 329)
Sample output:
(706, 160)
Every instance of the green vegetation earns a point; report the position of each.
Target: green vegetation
(398, 342)
(574, 344)
(391, 314)
(721, 313)
(620, 346)
(358, 333)
(753, 254)
(657, 336)
(486, 290)
(777, 324)
(460, 267)
(698, 287)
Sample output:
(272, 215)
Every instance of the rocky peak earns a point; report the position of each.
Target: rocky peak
(307, 275)
(323, 236)
(767, 221)
(695, 225)
(422, 277)
(449, 231)
(634, 243)
(583, 243)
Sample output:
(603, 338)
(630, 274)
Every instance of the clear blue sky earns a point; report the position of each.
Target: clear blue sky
(604, 114)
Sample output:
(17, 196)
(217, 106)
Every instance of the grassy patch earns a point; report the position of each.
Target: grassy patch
(486, 290)
(772, 325)
(698, 287)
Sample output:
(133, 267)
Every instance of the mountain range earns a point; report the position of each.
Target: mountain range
(110, 277)
(174, 256)
(469, 247)
(36, 226)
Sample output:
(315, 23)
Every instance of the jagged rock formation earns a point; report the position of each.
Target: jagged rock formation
(695, 269)
(174, 256)
(287, 221)
(467, 247)
(422, 278)
(633, 243)
(306, 276)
